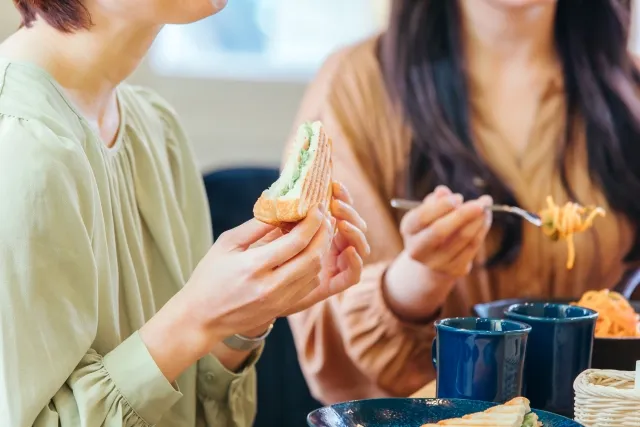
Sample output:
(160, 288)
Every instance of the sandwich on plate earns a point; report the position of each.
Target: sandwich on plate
(515, 413)
(305, 180)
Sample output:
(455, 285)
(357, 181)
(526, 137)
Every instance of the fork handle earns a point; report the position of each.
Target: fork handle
(407, 205)
(500, 208)
(404, 204)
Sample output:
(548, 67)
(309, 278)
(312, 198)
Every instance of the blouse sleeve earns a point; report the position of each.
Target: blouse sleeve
(49, 374)
(226, 398)
(357, 325)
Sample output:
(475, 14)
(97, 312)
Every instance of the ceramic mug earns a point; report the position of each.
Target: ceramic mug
(559, 349)
(479, 359)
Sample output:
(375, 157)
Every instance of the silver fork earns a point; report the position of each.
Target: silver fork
(531, 217)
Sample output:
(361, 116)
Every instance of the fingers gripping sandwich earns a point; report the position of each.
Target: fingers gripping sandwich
(304, 182)
(515, 413)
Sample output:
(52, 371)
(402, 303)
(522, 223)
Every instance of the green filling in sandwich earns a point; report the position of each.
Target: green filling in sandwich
(530, 420)
(303, 158)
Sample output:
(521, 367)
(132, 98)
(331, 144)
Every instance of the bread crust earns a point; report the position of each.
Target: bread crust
(517, 407)
(316, 188)
(265, 209)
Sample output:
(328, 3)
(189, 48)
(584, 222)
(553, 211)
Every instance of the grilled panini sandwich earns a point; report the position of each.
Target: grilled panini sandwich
(304, 182)
(515, 413)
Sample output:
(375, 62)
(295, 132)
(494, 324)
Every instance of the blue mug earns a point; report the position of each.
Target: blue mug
(560, 348)
(479, 359)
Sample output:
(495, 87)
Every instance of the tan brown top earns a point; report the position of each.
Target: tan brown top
(352, 346)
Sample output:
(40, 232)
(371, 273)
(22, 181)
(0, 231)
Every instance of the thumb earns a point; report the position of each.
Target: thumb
(244, 235)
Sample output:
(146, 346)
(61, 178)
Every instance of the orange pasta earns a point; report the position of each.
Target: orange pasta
(561, 222)
(616, 317)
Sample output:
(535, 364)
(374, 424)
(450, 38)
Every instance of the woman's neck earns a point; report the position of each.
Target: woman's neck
(496, 36)
(89, 65)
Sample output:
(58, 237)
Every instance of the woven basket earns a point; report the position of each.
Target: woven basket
(607, 399)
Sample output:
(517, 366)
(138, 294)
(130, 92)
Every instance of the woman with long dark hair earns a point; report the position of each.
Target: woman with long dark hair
(461, 104)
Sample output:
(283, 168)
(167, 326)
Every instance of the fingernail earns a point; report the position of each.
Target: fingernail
(488, 218)
(486, 200)
(456, 200)
(322, 207)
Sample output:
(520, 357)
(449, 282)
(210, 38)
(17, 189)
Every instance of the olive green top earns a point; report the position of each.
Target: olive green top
(93, 241)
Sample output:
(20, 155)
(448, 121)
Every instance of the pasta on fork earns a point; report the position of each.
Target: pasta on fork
(562, 222)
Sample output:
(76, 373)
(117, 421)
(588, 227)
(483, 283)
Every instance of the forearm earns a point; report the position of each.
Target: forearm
(414, 292)
(356, 334)
(172, 331)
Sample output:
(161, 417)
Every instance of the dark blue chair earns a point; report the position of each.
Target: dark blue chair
(284, 399)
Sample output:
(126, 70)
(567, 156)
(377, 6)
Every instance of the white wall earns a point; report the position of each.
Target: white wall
(230, 123)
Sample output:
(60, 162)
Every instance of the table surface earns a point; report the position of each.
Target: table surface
(427, 391)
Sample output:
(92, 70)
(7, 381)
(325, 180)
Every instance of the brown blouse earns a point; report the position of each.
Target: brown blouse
(352, 346)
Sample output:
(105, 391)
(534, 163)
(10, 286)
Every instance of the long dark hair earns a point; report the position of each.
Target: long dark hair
(422, 59)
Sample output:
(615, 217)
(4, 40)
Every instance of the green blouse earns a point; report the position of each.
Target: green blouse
(93, 241)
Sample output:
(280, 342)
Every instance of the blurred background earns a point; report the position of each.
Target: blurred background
(236, 79)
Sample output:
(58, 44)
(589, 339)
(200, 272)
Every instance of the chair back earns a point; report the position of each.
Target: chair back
(284, 399)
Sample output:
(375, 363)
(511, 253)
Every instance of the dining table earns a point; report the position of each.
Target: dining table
(428, 391)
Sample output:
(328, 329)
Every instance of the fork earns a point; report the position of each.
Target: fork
(530, 217)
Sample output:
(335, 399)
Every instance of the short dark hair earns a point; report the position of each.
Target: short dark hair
(64, 15)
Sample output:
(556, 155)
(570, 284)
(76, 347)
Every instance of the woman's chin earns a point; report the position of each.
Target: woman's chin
(195, 10)
(522, 3)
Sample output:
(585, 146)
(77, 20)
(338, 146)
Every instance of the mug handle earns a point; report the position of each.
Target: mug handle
(434, 353)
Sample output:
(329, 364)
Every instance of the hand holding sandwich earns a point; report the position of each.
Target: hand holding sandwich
(342, 265)
(306, 179)
(295, 255)
(237, 288)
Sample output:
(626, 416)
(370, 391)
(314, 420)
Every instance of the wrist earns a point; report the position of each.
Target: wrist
(413, 291)
(234, 351)
(175, 339)
(259, 331)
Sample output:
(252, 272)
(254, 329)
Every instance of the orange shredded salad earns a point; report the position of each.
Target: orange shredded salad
(616, 317)
(561, 222)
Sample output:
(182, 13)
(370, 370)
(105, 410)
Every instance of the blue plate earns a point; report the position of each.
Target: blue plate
(409, 413)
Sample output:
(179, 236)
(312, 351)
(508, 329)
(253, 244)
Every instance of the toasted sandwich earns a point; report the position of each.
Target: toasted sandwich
(305, 180)
(515, 413)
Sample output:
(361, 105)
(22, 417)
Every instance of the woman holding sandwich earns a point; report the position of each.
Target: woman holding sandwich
(116, 310)
(460, 104)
